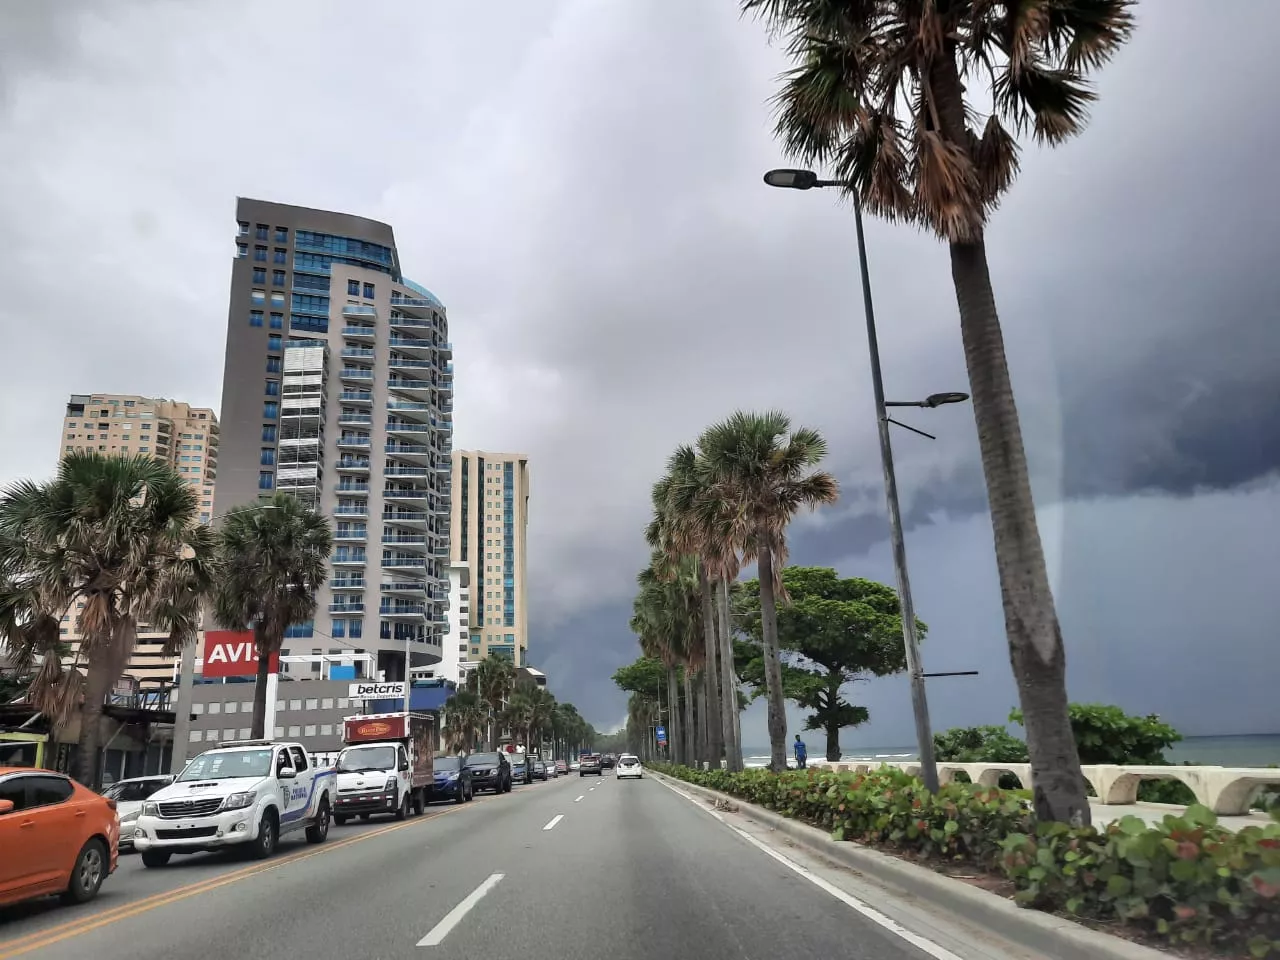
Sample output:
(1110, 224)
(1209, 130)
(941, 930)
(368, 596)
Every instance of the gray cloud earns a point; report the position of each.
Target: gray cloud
(581, 185)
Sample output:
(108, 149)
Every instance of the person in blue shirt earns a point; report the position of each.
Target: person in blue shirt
(802, 753)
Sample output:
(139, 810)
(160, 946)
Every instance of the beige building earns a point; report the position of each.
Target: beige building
(181, 435)
(490, 522)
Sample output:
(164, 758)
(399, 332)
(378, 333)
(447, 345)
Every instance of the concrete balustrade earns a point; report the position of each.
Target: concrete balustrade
(1224, 790)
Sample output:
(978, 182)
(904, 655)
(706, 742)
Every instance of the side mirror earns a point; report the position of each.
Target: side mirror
(6, 806)
(287, 773)
(404, 765)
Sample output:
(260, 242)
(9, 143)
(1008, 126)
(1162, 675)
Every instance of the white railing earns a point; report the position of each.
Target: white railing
(1227, 791)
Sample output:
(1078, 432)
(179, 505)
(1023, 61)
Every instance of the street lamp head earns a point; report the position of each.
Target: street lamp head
(938, 399)
(792, 179)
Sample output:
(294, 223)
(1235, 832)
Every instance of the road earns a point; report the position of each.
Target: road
(569, 869)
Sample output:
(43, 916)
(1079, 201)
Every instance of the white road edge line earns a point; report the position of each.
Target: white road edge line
(934, 950)
(576, 799)
(554, 820)
(454, 916)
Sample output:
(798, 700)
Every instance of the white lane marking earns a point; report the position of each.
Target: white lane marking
(454, 916)
(934, 950)
(554, 820)
(576, 799)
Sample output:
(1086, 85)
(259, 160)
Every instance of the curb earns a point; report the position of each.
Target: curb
(1031, 929)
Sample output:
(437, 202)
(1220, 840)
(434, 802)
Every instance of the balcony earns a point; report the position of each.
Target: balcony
(413, 611)
(404, 517)
(409, 540)
(354, 489)
(353, 465)
(356, 310)
(356, 396)
(348, 583)
(359, 333)
(392, 493)
(354, 441)
(341, 559)
(356, 375)
(408, 428)
(346, 607)
(410, 408)
(414, 450)
(405, 588)
(358, 353)
(395, 470)
(419, 344)
(351, 534)
(445, 348)
(404, 363)
(402, 562)
(354, 419)
(414, 387)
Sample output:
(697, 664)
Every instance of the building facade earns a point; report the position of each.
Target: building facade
(490, 523)
(185, 437)
(338, 390)
(456, 647)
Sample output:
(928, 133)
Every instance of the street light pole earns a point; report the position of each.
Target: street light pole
(805, 180)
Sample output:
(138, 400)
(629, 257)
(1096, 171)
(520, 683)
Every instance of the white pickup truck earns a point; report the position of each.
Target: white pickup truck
(245, 793)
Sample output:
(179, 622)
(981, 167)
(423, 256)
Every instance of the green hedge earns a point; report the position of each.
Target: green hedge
(1187, 880)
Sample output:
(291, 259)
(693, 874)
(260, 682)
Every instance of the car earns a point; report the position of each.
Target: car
(57, 837)
(539, 770)
(553, 770)
(608, 761)
(490, 771)
(129, 796)
(562, 768)
(589, 763)
(629, 766)
(452, 780)
(243, 794)
(521, 768)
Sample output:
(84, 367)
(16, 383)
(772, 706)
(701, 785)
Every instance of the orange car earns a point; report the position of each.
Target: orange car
(56, 837)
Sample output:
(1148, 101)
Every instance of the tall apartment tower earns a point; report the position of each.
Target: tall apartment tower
(181, 435)
(490, 524)
(338, 390)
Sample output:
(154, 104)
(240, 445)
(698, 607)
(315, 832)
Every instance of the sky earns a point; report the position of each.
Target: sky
(580, 182)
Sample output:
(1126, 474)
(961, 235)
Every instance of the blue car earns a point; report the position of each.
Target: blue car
(452, 780)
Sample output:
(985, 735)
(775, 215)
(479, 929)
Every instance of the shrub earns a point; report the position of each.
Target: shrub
(1187, 879)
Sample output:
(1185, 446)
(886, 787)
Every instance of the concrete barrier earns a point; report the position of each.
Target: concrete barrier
(1224, 790)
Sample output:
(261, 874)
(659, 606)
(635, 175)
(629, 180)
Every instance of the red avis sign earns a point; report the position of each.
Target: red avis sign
(232, 653)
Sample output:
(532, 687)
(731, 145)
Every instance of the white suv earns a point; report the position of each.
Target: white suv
(246, 792)
(629, 766)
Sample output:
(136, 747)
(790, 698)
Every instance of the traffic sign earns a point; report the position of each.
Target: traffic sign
(662, 736)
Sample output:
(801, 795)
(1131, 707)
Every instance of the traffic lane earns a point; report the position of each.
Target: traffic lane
(162, 910)
(659, 878)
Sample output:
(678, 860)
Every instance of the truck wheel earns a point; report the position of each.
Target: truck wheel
(420, 803)
(320, 829)
(88, 873)
(154, 858)
(264, 844)
(402, 813)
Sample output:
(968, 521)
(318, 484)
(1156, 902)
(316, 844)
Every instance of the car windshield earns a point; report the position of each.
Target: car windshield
(482, 760)
(228, 764)
(375, 757)
(447, 763)
(132, 791)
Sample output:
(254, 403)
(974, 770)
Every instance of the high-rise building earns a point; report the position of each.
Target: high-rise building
(490, 523)
(177, 433)
(338, 389)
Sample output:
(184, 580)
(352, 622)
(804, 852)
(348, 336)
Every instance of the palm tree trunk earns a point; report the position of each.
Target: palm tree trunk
(1031, 621)
(772, 663)
(675, 746)
(101, 673)
(728, 683)
(258, 730)
(690, 725)
(715, 743)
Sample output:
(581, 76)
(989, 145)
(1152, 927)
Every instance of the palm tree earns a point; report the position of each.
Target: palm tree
(762, 471)
(879, 95)
(274, 557)
(118, 534)
(465, 718)
(543, 709)
(493, 678)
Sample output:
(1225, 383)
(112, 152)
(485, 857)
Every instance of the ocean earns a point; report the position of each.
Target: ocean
(1254, 750)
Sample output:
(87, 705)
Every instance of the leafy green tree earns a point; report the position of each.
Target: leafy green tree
(120, 536)
(1106, 734)
(465, 719)
(979, 745)
(273, 557)
(833, 632)
(886, 94)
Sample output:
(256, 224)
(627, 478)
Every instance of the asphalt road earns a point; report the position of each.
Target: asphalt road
(569, 869)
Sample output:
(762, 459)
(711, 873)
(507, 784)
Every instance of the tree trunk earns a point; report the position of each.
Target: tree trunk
(728, 682)
(100, 676)
(715, 743)
(258, 731)
(772, 663)
(833, 724)
(690, 724)
(675, 746)
(1031, 621)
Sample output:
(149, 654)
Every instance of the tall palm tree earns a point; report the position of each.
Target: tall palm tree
(118, 534)
(493, 678)
(763, 472)
(274, 556)
(883, 93)
(466, 716)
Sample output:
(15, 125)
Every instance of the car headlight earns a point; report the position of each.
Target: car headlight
(150, 810)
(238, 801)
(391, 784)
(451, 775)
(130, 817)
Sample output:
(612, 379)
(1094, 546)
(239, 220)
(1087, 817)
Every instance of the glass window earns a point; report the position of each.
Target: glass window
(242, 250)
(242, 227)
(270, 410)
(260, 254)
(268, 433)
(275, 341)
(255, 318)
(268, 458)
(277, 278)
(262, 231)
(266, 480)
(353, 288)
(259, 275)
(282, 235)
(279, 256)
(273, 388)
(258, 296)
(368, 291)
(277, 298)
(338, 629)
(355, 629)
(277, 321)
(273, 364)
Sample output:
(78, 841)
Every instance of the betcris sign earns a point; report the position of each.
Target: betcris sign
(370, 690)
(232, 653)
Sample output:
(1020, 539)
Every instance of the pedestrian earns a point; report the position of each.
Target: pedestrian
(802, 753)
